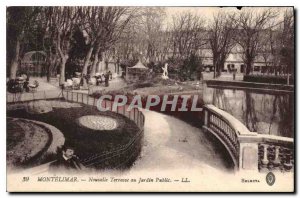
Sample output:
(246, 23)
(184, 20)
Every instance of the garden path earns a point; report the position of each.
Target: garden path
(170, 143)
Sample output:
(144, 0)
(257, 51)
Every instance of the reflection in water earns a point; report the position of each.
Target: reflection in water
(262, 112)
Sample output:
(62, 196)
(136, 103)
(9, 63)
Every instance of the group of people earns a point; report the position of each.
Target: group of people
(20, 84)
(76, 81)
(100, 78)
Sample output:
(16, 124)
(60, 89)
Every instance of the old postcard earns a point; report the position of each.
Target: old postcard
(150, 99)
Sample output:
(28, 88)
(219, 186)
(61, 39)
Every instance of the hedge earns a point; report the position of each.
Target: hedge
(268, 79)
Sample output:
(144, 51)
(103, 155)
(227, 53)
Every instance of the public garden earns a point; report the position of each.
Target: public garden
(60, 68)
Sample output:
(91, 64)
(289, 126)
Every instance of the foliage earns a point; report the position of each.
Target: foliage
(77, 53)
(221, 35)
(251, 26)
(22, 33)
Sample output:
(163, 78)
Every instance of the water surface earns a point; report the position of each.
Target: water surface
(265, 112)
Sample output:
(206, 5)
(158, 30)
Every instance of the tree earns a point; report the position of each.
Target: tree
(268, 50)
(277, 45)
(77, 52)
(61, 22)
(287, 38)
(187, 34)
(20, 23)
(250, 26)
(143, 35)
(152, 24)
(221, 34)
(102, 27)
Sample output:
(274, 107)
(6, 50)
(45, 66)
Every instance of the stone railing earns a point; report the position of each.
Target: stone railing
(275, 153)
(248, 150)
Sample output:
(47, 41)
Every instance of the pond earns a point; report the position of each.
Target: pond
(265, 112)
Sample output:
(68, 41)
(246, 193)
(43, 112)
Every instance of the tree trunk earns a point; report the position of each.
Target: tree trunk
(14, 63)
(249, 63)
(218, 73)
(95, 63)
(85, 66)
(215, 66)
(248, 68)
(62, 71)
(118, 67)
(220, 68)
(48, 73)
(87, 61)
(51, 65)
(99, 64)
(94, 66)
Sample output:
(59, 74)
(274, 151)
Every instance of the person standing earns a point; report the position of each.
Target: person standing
(234, 73)
(106, 79)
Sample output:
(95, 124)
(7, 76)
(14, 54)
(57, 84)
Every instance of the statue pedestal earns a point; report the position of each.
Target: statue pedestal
(164, 77)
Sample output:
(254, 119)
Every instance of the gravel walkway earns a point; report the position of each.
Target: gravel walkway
(170, 143)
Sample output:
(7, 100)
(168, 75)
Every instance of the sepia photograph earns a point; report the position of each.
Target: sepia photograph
(150, 99)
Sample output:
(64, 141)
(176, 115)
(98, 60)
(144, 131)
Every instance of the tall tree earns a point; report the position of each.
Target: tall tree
(20, 23)
(64, 21)
(250, 26)
(102, 26)
(152, 24)
(221, 33)
(287, 38)
(187, 34)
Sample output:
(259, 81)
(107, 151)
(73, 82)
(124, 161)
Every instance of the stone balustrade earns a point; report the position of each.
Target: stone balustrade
(249, 150)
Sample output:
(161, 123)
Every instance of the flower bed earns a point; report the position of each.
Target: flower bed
(26, 142)
(88, 144)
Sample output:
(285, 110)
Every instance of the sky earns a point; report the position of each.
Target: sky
(209, 12)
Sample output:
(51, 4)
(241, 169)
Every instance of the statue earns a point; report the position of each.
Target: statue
(165, 72)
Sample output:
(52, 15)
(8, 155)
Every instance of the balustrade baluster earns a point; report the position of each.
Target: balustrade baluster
(265, 160)
(276, 160)
(288, 164)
